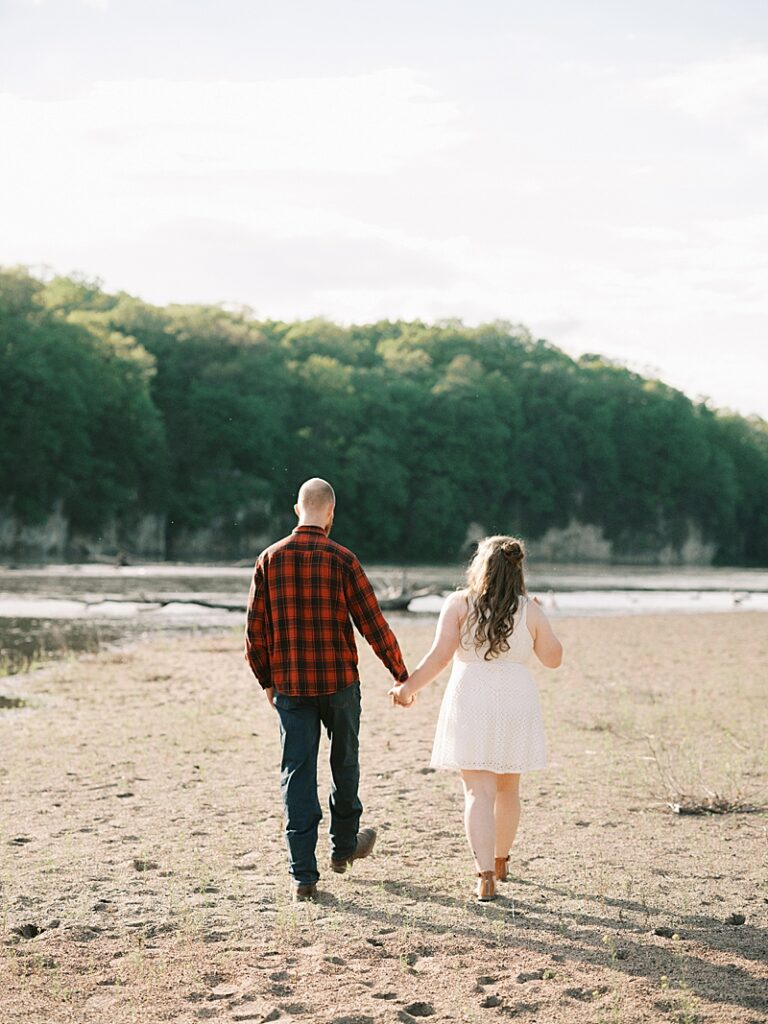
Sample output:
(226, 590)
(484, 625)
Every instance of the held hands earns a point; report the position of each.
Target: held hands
(405, 700)
(401, 696)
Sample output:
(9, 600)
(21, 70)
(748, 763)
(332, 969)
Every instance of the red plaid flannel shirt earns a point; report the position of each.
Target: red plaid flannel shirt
(299, 636)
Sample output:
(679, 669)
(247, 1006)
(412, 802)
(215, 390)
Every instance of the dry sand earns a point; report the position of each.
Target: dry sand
(141, 831)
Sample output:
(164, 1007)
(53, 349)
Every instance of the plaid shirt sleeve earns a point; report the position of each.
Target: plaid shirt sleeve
(367, 616)
(256, 650)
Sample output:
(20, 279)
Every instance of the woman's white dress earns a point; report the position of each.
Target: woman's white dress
(490, 718)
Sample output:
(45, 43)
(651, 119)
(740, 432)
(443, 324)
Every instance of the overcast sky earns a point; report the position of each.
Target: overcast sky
(595, 169)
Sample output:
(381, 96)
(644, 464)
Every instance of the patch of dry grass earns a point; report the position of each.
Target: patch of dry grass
(143, 875)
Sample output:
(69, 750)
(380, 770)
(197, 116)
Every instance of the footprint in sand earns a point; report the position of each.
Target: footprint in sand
(254, 1011)
(490, 1001)
(420, 1009)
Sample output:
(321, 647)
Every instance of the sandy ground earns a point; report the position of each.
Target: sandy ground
(143, 874)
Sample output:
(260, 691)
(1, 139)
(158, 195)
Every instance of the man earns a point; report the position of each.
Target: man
(307, 590)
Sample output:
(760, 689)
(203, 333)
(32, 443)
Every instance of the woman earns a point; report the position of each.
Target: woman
(490, 727)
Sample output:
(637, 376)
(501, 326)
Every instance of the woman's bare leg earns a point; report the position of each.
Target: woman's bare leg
(479, 821)
(507, 812)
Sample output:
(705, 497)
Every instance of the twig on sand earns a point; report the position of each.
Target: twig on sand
(715, 805)
(683, 803)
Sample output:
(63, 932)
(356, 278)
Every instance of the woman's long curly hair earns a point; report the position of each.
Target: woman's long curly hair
(495, 586)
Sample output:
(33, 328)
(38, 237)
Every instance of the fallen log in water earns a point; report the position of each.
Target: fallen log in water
(389, 602)
(399, 602)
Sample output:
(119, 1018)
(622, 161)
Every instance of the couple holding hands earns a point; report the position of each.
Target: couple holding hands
(307, 592)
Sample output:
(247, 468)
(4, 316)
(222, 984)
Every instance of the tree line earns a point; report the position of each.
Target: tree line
(112, 408)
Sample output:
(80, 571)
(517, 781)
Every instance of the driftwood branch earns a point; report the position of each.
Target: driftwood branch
(389, 601)
(400, 602)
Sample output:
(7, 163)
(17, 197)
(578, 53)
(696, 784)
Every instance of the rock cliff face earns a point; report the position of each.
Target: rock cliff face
(44, 540)
(577, 542)
(221, 541)
(585, 542)
(151, 537)
(133, 538)
(143, 536)
(52, 539)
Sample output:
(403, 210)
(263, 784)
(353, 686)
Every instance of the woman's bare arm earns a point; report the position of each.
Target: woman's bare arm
(442, 650)
(546, 646)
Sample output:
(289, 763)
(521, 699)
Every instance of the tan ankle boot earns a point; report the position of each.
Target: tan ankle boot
(501, 868)
(486, 886)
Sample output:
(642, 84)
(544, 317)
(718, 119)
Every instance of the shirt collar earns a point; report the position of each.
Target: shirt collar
(301, 529)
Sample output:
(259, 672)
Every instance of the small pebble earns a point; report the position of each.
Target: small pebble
(491, 1001)
(530, 976)
(144, 865)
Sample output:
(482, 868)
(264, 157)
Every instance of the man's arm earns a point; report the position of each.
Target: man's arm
(366, 615)
(256, 650)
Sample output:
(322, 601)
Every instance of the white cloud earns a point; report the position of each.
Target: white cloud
(736, 85)
(125, 158)
(365, 124)
(653, 233)
(277, 273)
(100, 5)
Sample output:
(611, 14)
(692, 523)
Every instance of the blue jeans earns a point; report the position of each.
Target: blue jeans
(300, 721)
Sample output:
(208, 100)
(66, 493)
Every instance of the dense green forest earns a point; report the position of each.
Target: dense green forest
(111, 409)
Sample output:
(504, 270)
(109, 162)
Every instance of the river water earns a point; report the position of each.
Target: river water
(55, 610)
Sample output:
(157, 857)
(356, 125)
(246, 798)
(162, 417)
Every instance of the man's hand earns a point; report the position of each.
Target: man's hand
(400, 695)
(270, 694)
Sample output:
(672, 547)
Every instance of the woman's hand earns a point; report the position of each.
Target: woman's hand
(401, 696)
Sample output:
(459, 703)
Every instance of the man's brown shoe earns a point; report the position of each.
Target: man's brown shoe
(365, 843)
(304, 891)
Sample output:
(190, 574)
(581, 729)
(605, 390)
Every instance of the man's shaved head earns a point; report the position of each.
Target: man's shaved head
(316, 496)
